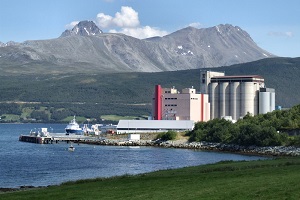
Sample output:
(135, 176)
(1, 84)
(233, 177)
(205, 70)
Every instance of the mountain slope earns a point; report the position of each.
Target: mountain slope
(224, 44)
(189, 48)
(130, 94)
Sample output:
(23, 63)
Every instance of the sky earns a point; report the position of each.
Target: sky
(273, 24)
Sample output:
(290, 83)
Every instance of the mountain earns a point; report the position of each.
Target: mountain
(85, 50)
(83, 28)
(10, 43)
(221, 45)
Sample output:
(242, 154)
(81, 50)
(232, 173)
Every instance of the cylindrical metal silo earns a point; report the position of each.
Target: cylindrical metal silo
(272, 100)
(264, 102)
(227, 100)
(223, 99)
(234, 94)
(247, 98)
(256, 99)
(212, 99)
(217, 101)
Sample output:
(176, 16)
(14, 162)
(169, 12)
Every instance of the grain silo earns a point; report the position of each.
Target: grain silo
(235, 96)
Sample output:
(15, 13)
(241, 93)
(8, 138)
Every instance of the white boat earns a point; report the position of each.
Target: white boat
(71, 148)
(73, 127)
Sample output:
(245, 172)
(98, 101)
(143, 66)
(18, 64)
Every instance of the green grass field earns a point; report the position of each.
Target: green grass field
(268, 179)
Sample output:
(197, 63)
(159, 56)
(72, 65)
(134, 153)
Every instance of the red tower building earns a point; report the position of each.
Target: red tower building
(157, 103)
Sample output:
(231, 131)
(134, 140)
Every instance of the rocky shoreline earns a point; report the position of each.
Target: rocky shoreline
(207, 146)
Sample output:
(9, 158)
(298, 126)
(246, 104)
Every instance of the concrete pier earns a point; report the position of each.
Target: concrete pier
(53, 138)
(35, 139)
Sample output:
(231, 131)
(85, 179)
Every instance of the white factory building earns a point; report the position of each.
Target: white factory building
(235, 96)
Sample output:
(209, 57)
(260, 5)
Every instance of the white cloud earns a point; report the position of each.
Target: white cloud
(71, 25)
(127, 18)
(141, 32)
(104, 21)
(195, 25)
(281, 34)
(289, 34)
(127, 22)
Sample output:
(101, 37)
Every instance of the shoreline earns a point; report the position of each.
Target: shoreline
(205, 146)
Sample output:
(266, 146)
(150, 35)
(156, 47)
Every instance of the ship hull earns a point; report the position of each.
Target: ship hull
(72, 131)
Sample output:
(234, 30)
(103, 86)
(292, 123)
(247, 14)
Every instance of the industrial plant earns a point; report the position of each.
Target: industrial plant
(220, 96)
(235, 96)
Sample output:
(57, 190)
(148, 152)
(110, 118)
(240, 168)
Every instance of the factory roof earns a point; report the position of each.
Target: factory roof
(155, 124)
(242, 78)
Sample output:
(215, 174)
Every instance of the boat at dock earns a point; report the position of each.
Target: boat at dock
(73, 128)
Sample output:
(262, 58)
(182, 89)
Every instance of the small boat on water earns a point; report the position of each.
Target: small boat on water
(71, 148)
(73, 127)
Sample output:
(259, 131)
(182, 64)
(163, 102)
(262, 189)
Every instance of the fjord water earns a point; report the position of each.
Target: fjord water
(31, 164)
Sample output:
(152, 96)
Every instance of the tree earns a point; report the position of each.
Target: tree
(40, 116)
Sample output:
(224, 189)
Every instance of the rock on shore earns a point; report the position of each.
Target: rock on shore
(270, 151)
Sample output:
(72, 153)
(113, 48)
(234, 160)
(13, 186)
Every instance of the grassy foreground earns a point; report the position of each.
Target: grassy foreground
(268, 179)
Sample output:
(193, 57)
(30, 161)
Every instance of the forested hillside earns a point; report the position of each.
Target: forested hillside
(54, 97)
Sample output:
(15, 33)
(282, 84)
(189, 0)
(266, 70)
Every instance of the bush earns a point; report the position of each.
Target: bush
(170, 135)
(294, 141)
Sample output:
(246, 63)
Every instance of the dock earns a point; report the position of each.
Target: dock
(35, 139)
(62, 137)
(51, 138)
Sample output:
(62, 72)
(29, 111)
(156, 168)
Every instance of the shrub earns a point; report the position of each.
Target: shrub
(170, 135)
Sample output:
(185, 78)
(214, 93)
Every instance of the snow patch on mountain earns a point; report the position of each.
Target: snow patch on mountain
(182, 51)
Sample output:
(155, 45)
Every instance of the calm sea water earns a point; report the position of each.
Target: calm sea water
(31, 164)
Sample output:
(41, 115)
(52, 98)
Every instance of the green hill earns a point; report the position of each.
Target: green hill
(55, 97)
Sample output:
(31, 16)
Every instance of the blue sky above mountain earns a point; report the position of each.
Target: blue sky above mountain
(273, 24)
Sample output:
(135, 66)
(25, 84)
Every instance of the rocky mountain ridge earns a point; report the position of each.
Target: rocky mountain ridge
(86, 48)
(10, 43)
(83, 28)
